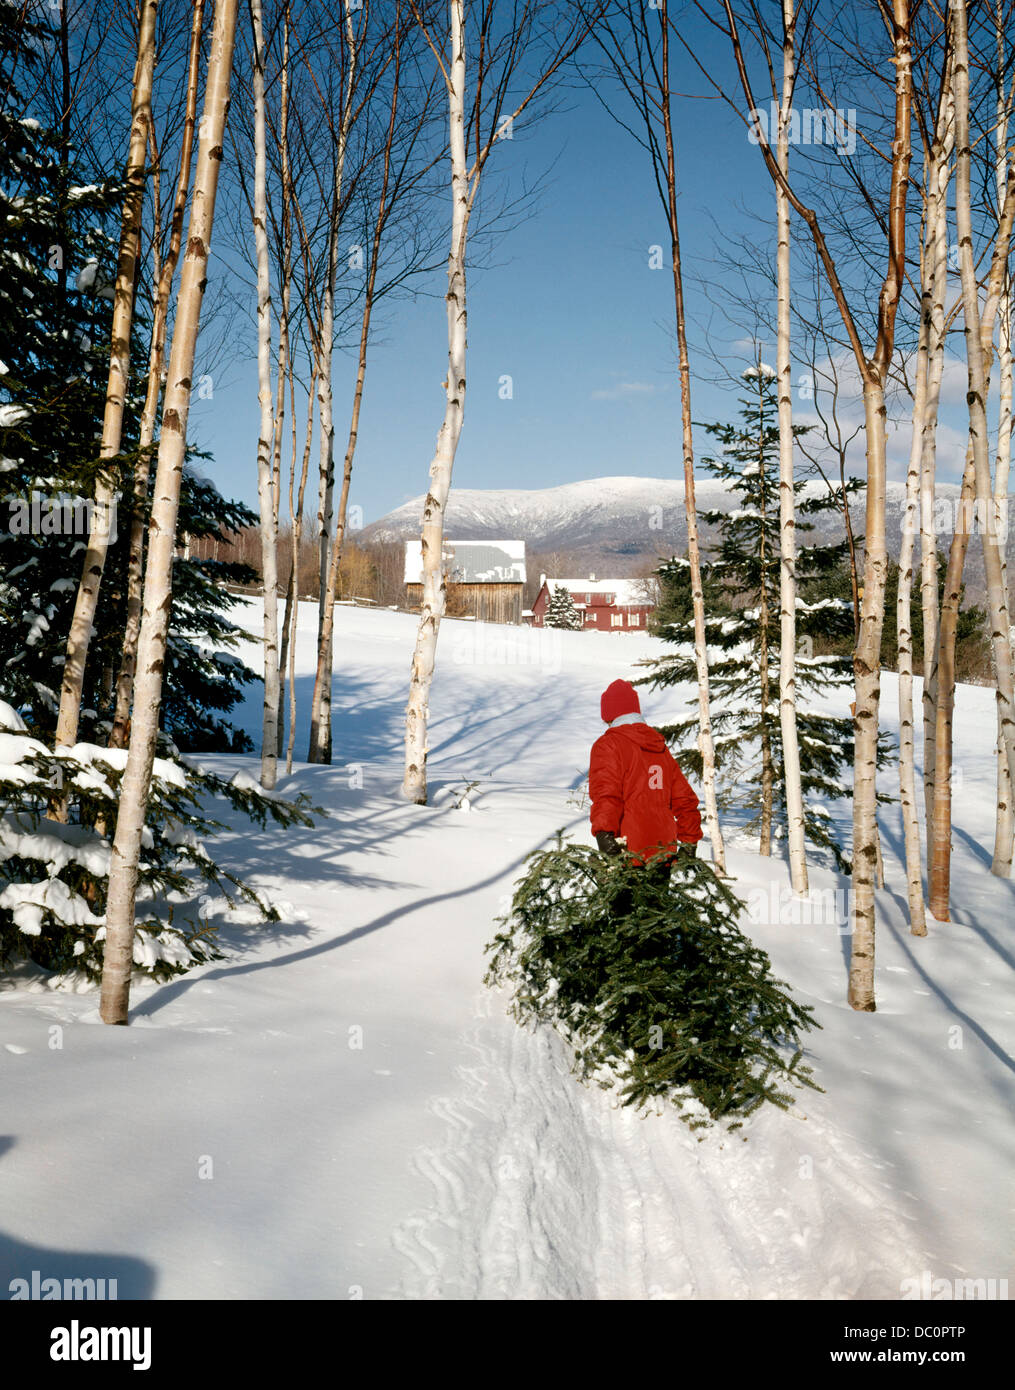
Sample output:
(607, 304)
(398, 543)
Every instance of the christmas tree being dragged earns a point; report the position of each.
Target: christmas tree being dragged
(652, 984)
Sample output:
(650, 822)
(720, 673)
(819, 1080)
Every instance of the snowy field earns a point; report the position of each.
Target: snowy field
(340, 1109)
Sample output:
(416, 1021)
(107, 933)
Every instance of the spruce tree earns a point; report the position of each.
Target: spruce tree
(54, 875)
(561, 612)
(651, 982)
(55, 259)
(56, 270)
(743, 636)
(57, 264)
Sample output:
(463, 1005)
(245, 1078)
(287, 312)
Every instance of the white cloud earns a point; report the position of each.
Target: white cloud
(623, 390)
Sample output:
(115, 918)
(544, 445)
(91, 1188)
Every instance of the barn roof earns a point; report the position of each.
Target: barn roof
(472, 562)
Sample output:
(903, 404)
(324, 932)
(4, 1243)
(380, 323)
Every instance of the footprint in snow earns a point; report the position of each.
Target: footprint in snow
(13, 1047)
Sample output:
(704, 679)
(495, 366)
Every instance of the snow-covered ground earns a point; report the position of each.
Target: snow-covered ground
(340, 1109)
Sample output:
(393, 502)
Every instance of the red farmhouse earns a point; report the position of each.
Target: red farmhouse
(606, 605)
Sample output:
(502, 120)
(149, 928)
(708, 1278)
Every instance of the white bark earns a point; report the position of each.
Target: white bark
(787, 500)
(293, 607)
(82, 622)
(866, 666)
(706, 741)
(937, 235)
(284, 366)
(1004, 828)
(149, 412)
(867, 655)
(136, 784)
(434, 592)
(976, 352)
(903, 607)
(873, 370)
(320, 713)
(979, 333)
(265, 481)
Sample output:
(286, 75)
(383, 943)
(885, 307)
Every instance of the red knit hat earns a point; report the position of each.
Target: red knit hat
(619, 698)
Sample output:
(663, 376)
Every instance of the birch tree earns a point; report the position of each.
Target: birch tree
(320, 726)
(498, 59)
(321, 710)
(136, 782)
(933, 270)
(390, 173)
(935, 278)
(267, 505)
(165, 271)
(1004, 830)
(82, 621)
(873, 371)
(976, 483)
(787, 519)
(283, 377)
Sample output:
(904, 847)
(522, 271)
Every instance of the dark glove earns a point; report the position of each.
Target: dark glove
(687, 851)
(607, 842)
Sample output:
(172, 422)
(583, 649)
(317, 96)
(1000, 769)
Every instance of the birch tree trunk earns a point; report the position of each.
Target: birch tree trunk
(903, 607)
(873, 372)
(285, 367)
(136, 783)
(434, 591)
(979, 331)
(787, 499)
(867, 655)
(320, 718)
(292, 567)
(1004, 829)
(153, 390)
(937, 228)
(866, 668)
(265, 482)
(940, 829)
(706, 742)
(764, 630)
(86, 603)
(320, 713)
(977, 351)
(294, 577)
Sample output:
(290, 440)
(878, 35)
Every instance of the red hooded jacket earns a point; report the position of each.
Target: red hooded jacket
(638, 791)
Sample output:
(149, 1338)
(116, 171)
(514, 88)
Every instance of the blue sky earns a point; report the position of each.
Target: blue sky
(569, 309)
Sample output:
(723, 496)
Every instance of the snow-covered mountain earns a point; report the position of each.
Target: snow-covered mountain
(616, 524)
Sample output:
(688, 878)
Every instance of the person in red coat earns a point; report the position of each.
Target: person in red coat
(640, 798)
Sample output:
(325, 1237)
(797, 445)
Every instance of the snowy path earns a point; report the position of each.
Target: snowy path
(545, 1190)
(339, 1108)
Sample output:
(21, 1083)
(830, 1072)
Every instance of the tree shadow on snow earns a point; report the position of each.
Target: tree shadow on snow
(175, 989)
(20, 1260)
(904, 940)
(363, 726)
